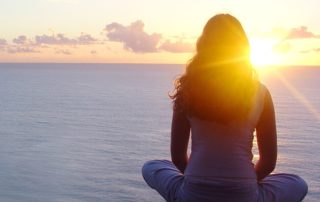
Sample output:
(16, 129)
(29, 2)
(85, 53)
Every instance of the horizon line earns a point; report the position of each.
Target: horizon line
(142, 63)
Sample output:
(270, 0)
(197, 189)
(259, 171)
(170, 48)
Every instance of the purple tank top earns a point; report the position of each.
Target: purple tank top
(224, 151)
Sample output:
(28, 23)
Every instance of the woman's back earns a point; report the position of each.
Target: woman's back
(224, 150)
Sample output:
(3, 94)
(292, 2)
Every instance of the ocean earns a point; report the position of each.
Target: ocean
(81, 132)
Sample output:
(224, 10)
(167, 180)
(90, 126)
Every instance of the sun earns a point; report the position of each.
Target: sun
(263, 54)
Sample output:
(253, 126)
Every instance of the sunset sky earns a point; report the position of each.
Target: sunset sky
(146, 31)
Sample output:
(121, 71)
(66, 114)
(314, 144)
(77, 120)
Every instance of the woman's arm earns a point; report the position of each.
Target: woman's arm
(266, 139)
(180, 133)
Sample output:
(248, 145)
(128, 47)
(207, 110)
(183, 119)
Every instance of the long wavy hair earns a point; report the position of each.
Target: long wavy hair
(219, 82)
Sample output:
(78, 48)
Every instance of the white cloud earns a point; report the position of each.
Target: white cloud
(300, 33)
(22, 39)
(61, 39)
(3, 44)
(21, 49)
(58, 39)
(86, 39)
(177, 47)
(63, 51)
(133, 37)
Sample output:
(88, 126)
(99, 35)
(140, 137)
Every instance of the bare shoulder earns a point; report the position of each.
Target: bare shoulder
(266, 95)
(267, 116)
(267, 98)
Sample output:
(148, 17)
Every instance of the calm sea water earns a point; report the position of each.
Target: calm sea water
(81, 132)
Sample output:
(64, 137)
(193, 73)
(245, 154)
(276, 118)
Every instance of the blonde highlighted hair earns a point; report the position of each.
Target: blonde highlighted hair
(219, 82)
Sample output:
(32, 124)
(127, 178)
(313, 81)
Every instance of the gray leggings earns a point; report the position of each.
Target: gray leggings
(172, 185)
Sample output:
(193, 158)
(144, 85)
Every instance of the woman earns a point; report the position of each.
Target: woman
(220, 100)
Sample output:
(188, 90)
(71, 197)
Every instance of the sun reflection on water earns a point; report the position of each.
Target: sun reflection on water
(299, 96)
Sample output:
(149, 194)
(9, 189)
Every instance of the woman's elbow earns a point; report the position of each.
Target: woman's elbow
(269, 165)
(175, 160)
(180, 162)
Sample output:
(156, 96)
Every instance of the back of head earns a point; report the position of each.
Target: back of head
(223, 40)
(219, 82)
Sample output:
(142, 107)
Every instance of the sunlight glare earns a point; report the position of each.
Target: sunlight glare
(262, 54)
(299, 96)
